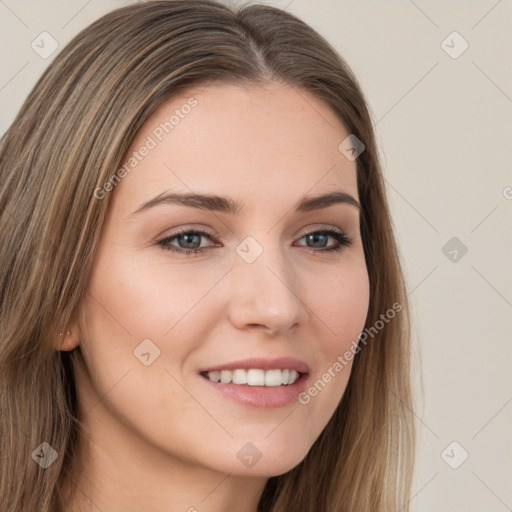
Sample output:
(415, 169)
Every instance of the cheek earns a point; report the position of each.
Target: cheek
(147, 297)
(132, 300)
(339, 309)
(124, 317)
(341, 303)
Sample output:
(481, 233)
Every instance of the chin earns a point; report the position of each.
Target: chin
(265, 462)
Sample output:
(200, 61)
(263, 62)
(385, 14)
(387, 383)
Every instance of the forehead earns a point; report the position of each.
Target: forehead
(258, 141)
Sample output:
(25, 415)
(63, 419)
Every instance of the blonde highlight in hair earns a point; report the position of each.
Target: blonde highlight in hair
(70, 136)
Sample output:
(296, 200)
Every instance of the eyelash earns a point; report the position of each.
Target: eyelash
(342, 239)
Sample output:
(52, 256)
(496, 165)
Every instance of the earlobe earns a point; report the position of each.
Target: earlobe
(67, 341)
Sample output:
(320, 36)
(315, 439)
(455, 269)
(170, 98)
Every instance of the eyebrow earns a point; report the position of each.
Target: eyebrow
(228, 205)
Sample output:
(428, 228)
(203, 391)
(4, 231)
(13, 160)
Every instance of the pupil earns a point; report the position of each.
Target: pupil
(188, 241)
(315, 238)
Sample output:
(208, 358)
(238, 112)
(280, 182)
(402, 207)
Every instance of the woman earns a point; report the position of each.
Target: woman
(202, 301)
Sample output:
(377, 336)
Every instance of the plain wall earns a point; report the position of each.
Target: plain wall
(443, 123)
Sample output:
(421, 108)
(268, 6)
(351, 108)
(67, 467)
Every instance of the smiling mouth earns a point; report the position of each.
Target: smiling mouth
(254, 377)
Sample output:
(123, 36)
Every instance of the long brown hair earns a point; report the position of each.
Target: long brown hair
(71, 135)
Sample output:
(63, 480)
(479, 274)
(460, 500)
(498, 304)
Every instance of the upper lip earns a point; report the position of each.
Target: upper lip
(280, 363)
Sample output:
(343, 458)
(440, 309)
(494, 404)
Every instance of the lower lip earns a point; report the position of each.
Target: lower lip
(262, 397)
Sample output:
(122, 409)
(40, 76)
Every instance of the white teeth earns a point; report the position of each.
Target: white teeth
(255, 377)
(215, 376)
(273, 378)
(225, 376)
(239, 377)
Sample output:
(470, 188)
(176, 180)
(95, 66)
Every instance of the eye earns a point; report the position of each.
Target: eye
(318, 237)
(189, 241)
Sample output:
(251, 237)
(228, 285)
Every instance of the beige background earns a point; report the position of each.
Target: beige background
(444, 127)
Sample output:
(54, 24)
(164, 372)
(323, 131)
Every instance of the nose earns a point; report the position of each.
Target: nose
(265, 293)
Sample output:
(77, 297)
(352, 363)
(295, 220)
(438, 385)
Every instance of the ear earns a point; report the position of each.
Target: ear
(69, 339)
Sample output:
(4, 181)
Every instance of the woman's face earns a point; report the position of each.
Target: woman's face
(264, 286)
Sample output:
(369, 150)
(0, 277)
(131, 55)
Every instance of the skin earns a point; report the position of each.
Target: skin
(157, 437)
